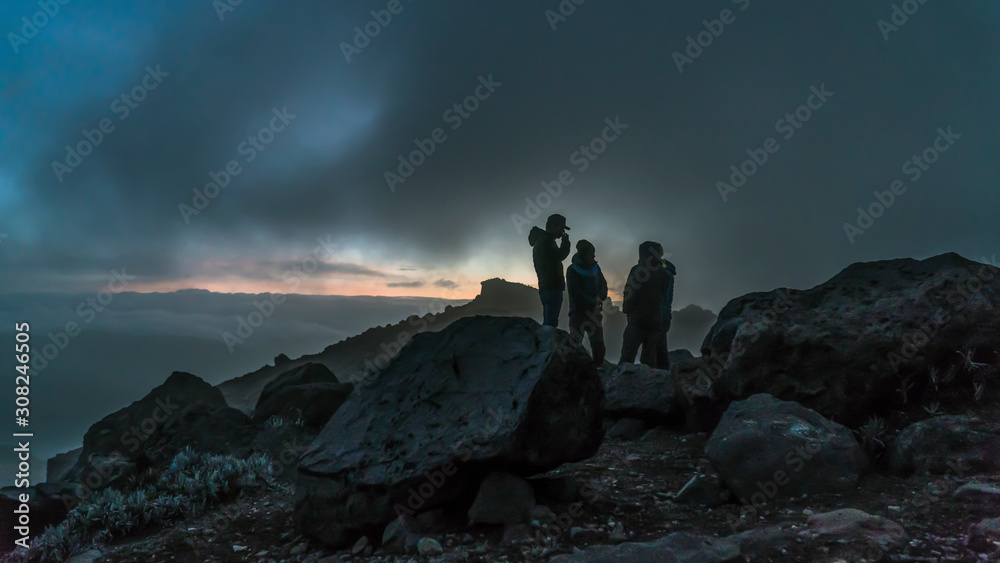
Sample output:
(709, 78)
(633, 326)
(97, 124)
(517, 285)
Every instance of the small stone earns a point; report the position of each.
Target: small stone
(429, 546)
(359, 545)
(807, 512)
(298, 550)
(239, 548)
(618, 533)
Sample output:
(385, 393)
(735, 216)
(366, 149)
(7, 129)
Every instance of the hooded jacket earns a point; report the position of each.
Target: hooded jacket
(646, 289)
(547, 257)
(585, 283)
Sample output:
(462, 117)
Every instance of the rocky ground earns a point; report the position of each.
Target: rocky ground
(635, 481)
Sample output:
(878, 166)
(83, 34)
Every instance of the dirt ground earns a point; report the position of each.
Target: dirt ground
(635, 481)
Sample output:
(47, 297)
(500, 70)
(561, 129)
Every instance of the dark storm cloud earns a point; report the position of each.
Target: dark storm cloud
(323, 174)
(405, 284)
(447, 284)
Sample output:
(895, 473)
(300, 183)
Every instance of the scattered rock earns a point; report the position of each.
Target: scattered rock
(628, 428)
(360, 545)
(638, 391)
(705, 488)
(396, 533)
(429, 546)
(946, 444)
(766, 448)
(617, 533)
(978, 493)
(499, 392)
(239, 548)
(985, 535)
(503, 499)
(679, 547)
(516, 534)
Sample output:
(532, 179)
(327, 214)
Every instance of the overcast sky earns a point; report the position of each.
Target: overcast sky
(209, 79)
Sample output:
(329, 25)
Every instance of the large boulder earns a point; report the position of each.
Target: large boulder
(311, 404)
(765, 448)
(486, 393)
(302, 375)
(639, 391)
(184, 410)
(956, 445)
(847, 534)
(843, 347)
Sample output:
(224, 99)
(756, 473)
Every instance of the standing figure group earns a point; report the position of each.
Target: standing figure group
(648, 294)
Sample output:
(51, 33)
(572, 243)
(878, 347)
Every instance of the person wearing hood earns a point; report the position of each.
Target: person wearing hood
(547, 257)
(645, 293)
(587, 290)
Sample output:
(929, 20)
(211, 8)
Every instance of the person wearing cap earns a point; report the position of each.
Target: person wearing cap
(587, 291)
(645, 291)
(547, 257)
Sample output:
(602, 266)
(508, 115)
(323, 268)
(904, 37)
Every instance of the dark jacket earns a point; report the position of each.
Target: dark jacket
(585, 283)
(548, 257)
(668, 299)
(646, 290)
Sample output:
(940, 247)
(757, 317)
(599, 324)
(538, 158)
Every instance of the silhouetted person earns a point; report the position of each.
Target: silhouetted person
(662, 355)
(645, 291)
(587, 290)
(548, 257)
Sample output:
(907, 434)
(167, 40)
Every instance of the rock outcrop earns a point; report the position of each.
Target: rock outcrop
(486, 393)
(308, 395)
(956, 445)
(184, 410)
(765, 448)
(843, 348)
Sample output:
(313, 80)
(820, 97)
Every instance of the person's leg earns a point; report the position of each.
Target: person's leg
(550, 307)
(597, 339)
(576, 329)
(648, 356)
(662, 354)
(630, 344)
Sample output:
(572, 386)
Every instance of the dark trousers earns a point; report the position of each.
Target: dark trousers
(551, 305)
(592, 324)
(654, 346)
